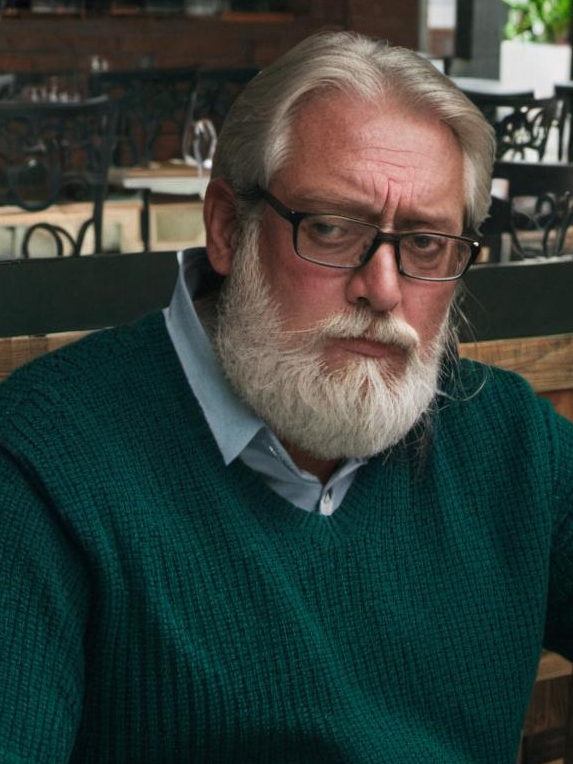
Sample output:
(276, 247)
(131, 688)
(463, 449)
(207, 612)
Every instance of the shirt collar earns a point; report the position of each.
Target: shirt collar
(232, 422)
(236, 429)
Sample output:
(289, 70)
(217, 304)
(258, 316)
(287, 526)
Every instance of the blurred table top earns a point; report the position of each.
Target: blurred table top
(487, 87)
(162, 178)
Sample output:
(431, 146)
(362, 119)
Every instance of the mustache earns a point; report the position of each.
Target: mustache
(362, 324)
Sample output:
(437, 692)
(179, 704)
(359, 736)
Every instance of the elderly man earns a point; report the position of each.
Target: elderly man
(282, 522)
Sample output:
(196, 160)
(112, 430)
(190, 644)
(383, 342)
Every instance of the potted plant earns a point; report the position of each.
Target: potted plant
(536, 54)
(538, 20)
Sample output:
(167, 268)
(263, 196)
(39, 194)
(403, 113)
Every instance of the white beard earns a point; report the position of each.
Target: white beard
(357, 410)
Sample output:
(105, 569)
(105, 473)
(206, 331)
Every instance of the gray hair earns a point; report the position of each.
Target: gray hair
(255, 139)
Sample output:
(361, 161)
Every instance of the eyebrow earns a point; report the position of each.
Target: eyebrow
(364, 212)
(340, 205)
(436, 223)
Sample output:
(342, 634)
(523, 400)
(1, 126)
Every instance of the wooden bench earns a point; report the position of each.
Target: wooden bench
(16, 351)
(547, 363)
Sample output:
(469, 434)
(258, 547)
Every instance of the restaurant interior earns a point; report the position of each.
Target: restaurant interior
(109, 113)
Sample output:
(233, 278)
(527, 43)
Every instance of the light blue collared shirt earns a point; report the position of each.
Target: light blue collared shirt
(239, 433)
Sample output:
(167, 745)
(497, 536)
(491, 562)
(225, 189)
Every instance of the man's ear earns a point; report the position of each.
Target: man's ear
(220, 217)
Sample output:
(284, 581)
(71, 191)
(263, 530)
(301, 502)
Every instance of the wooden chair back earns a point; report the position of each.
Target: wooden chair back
(17, 351)
(547, 363)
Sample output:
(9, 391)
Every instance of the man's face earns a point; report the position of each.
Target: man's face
(343, 363)
(383, 165)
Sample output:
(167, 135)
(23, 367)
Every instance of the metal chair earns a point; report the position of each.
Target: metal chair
(522, 124)
(159, 113)
(154, 108)
(564, 92)
(156, 105)
(53, 154)
(537, 212)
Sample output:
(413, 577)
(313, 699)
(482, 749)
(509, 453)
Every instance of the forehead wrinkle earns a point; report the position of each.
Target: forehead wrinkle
(366, 189)
(390, 154)
(371, 173)
(400, 167)
(379, 189)
(395, 171)
(359, 163)
(399, 197)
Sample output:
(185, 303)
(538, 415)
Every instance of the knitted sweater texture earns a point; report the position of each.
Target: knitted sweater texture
(159, 608)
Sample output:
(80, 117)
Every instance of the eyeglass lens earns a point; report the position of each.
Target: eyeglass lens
(337, 241)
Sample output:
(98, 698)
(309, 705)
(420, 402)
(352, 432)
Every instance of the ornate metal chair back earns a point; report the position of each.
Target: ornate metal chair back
(522, 125)
(152, 107)
(537, 213)
(54, 153)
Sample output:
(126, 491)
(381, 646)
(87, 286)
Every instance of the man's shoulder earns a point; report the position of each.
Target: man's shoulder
(490, 380)
(485, 394)
(104, 362)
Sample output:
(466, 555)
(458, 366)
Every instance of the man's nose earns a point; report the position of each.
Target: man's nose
(378, 282)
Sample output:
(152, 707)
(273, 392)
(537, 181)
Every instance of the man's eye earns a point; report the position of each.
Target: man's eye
(424, 243)
(326, 229)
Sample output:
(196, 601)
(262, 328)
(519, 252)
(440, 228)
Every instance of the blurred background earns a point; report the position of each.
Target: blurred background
(82, 34)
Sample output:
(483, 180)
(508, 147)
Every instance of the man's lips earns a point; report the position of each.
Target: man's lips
(371, 348)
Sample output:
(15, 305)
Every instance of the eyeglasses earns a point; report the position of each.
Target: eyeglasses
(337, 241)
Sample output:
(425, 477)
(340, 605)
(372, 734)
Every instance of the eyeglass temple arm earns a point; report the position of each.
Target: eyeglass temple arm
(278, 206)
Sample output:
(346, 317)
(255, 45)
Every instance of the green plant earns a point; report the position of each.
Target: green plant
(538, 20)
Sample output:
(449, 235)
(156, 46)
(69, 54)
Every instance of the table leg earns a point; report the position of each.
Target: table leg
(145, 219)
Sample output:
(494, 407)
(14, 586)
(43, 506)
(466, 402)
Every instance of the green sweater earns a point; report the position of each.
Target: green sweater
(158, 607)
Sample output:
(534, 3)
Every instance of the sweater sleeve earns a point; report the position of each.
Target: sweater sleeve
(43, 608)
(559, 625)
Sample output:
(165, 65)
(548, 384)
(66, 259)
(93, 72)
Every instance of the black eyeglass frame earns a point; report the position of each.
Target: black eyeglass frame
(295, 218)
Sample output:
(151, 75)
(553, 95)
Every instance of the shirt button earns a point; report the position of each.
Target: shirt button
(326, 505)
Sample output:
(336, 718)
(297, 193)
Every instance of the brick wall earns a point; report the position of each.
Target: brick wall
(67, 43)
(388, 19)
